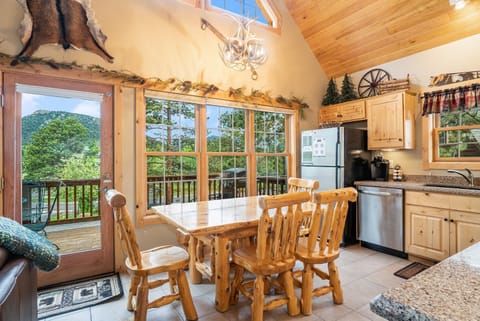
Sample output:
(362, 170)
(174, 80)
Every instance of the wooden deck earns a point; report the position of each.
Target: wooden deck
(75, 237)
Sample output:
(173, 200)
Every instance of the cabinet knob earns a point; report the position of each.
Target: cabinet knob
(445, 219)
(472, 241)
(421, 231)
(451, 220)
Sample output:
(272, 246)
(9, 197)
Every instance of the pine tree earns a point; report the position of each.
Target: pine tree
(331, 96)
(348, 90)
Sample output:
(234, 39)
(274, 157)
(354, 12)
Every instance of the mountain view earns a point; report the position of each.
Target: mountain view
(40, 118)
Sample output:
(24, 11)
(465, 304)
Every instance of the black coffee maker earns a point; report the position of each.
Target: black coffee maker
(379, 167)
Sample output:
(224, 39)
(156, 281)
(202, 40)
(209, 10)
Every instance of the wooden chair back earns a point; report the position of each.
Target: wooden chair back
(328, 220)
(125, 228)
(296, 184)
(277, 233)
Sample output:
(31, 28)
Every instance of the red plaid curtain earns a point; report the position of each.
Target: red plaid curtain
(453, 99)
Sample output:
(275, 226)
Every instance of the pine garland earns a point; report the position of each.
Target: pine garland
(170, 84)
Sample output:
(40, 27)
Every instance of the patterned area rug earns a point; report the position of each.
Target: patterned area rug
(79, 295)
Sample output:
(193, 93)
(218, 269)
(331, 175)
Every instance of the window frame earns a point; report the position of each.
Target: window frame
(267, 7)
(430, 148)
(145, 216)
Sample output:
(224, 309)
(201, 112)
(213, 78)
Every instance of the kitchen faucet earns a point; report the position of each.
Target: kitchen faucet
(468, 178)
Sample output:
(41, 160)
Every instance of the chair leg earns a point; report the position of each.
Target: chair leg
(186, 296)
(307, 289)
(134, 281)
(293, 307)
(335, 283)
(258, 299)
(141, 303)
(172, 277)
(237, 280)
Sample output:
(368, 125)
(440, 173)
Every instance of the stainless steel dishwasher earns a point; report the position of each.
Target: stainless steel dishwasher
(380, 212)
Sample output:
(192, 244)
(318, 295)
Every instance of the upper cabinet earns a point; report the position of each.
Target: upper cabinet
(391, 121)
(344, 112)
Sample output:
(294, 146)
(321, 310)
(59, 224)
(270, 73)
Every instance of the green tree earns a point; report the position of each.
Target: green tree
(51, 146)
(331, 96)
(348, 90)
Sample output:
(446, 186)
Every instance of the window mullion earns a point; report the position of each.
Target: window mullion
(202, 170)
(250, 148)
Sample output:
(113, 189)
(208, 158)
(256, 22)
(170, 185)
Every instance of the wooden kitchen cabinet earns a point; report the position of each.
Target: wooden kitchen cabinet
(344, 112)
(391, 121)
(438, 225)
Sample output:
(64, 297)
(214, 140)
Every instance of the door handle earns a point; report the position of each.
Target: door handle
(375, 193)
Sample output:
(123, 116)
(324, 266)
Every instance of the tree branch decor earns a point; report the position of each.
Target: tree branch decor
(200, 89)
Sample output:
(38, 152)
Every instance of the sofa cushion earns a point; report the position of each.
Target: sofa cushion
(3, 256)
(21, 241)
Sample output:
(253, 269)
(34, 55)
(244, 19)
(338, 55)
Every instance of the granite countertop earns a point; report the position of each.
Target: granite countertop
(446, 291)
(419, 185)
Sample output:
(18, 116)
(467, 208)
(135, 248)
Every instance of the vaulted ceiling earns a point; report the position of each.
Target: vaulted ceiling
(352, 35)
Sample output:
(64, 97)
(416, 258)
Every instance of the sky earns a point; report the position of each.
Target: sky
(33, 102)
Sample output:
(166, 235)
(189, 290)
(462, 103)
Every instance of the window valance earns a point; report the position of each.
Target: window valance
(453, 99)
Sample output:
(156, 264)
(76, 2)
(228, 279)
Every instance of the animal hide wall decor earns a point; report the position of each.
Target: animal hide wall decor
(70, 23)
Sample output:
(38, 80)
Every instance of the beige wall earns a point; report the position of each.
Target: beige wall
(163, 39)
(458, 56)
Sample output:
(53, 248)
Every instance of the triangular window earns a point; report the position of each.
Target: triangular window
(263, 11)
(251, 9)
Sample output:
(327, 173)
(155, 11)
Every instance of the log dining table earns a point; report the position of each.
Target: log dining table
(224, 220)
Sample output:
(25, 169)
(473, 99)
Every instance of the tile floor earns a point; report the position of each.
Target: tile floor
(364, 274)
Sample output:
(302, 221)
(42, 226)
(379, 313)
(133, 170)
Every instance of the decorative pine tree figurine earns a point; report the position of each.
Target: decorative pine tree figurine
(331, 96)
(348, 90)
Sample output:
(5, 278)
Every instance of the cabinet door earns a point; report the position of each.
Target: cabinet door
(329, 114)
(353, 111)
(464, 230)
(385, 122)
(427, 232)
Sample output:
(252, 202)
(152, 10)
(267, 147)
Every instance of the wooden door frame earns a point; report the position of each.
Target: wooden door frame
(97, 261)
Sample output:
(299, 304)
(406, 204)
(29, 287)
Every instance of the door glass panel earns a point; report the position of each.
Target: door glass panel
(61, 169)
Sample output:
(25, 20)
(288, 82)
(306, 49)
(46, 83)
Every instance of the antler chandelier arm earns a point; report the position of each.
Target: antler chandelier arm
(241, 51)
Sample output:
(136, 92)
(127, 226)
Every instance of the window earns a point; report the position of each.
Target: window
(457, 136)
(191, 151)
(170, 151)
(263, 11)
(271, 152)
(451, 128)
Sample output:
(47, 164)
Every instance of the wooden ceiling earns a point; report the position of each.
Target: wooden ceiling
(347, 36)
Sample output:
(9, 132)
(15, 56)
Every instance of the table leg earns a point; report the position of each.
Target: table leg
(222, 273)
(195, 275)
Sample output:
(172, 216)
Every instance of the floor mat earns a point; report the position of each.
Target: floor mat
(411, 270)
(74, 296)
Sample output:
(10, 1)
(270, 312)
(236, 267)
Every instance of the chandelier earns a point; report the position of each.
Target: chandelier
(242, 50)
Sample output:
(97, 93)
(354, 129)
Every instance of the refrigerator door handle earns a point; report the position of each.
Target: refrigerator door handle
(338, 154)
(338, 178)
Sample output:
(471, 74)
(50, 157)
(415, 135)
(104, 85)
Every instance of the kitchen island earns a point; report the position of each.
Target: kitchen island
(448, 290)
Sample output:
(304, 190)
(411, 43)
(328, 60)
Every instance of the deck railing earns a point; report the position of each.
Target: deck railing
(175, 189)
(73, 201)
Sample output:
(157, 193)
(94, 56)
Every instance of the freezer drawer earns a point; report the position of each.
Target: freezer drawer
(381, 216)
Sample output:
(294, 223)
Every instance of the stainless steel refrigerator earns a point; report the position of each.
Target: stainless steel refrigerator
(336, 157)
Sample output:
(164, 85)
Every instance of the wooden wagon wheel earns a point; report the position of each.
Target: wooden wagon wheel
(368, 84)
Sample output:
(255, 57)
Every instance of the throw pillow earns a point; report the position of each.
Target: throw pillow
(19, 240)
